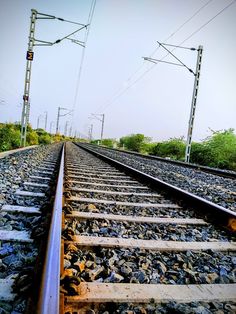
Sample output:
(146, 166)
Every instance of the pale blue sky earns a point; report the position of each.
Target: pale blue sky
(122, 31)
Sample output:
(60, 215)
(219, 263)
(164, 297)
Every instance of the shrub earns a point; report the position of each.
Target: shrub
(135, 142)
(173, 148)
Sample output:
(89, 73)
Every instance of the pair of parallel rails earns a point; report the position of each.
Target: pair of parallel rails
(51, 301)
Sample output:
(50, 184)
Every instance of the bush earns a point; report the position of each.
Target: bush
(135, 142)
(201, 154)
(109, 142)
(222, 144)
(9, 137)
(44, 139)
(32, 138)
(174, 148)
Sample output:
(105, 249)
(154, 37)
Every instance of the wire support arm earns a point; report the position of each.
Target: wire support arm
(157, 61)
(188, 48)
(190, 70)
(42, 43)
(43, 16)
(67, 36)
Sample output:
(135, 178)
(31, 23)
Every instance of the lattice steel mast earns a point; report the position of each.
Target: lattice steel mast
(193, 104)
(29, 57)
(195, 87)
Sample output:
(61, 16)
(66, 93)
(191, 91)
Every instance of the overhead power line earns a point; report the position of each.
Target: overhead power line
(123, 91)
(90, 17)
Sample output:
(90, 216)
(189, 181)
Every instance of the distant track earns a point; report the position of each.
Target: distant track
(219, 172)
(214, 188)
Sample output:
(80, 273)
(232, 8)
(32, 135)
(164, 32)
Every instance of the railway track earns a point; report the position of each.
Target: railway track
(27, 192)
(215, 185)
(126, 244)
(219, 172)
(122, 241)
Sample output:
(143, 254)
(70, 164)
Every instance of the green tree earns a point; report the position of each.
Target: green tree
(135, 142)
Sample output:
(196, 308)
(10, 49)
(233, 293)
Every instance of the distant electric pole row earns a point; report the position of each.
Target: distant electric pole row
(67, 130)
(101, 118)
(30, 57)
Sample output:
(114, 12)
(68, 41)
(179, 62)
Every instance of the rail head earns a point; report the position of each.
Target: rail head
(50, 285)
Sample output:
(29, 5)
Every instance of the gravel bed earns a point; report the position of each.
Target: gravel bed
(211, 187)
(14, 256)
(147, 231)
(17, 168)
(108, 181)
(134, 210)
(104, 189)
(169, 308)
(140, 266)
(122, 198)
(113, 187)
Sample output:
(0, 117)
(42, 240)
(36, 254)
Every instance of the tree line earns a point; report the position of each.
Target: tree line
(217, 150)
(10, 136)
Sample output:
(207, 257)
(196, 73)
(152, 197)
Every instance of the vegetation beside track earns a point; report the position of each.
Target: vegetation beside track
(217, 150)
(10, 136)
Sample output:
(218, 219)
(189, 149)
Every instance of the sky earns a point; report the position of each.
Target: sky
(136, 96)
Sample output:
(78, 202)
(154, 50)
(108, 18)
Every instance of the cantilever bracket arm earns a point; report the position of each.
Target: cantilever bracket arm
(78, 42)
(43, 43)
(190, 70)
(67, 36)
(157, 60)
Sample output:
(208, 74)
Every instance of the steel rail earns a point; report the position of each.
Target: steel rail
(219, 172)
(50, 286)
(219, 214)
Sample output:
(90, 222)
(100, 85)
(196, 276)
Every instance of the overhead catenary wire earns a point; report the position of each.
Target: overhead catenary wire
(123, 91)
(90, 17)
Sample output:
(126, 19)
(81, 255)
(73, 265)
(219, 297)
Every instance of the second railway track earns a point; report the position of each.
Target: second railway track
(121, 242)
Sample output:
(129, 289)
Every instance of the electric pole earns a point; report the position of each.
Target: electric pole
(61, 115)
(91, 132)
(102, 119)
(58, 117)
(193, 104)
(29, 58)
(46, 120)
(38, 120)
(70, 132)
(51, 125)
(195, 88)
(66, 126)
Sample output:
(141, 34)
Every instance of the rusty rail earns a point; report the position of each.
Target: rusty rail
(50, 286)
